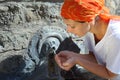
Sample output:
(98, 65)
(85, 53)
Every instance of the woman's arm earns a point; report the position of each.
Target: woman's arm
(67, 59)
(89, 57)
(89, 62)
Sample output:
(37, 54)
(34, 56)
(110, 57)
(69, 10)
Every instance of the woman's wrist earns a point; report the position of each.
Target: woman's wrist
(77, 58)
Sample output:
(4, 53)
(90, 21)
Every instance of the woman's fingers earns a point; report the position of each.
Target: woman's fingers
(65, 64)
(60, 60)
(65, 60)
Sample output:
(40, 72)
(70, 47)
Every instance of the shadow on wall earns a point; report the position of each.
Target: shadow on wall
(11, 68)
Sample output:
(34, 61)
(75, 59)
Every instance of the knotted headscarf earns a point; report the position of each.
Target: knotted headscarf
(84, 10)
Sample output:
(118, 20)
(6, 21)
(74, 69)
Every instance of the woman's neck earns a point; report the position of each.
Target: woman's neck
(99, 29)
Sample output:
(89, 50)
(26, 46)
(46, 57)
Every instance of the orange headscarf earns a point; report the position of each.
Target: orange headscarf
(84, 10)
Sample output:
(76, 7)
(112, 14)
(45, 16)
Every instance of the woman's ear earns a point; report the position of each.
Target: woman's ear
(95, 20)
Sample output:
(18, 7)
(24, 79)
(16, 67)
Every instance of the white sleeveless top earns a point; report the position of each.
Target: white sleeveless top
(107, 51)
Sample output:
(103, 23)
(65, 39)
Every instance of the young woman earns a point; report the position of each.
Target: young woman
(103, 41)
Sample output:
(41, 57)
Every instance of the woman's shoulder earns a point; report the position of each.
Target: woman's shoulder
(113, 31)
(114, 21)
(114, 25)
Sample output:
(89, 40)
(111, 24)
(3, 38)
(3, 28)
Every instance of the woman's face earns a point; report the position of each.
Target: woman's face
(76, 27)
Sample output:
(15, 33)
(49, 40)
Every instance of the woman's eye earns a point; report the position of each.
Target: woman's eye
(81, 21)
(72, 26)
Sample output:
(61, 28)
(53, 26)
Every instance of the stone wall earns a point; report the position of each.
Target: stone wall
(20, 20)
(114, 6)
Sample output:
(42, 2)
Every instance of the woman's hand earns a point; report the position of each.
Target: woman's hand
(66, 59)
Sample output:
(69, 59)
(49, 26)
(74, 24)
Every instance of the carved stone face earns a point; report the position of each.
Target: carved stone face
(42, 48)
